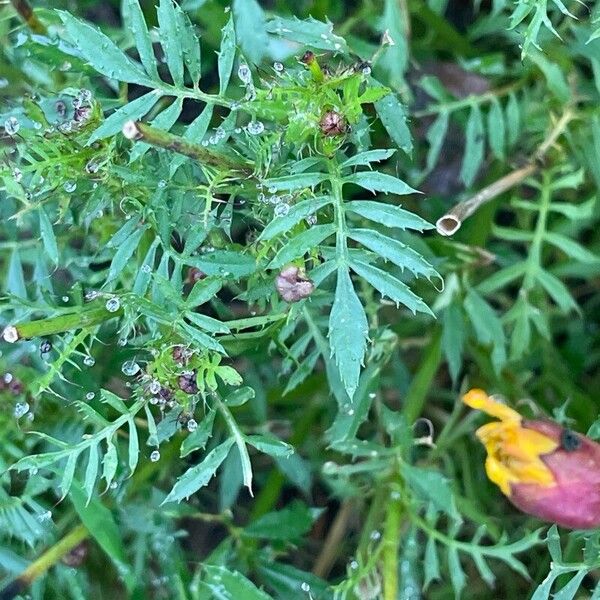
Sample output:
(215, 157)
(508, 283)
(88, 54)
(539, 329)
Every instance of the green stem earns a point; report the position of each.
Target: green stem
(467, 102)
(53, 325)
(423, 378)
(163, 139)
(44, 562)
(535, 253)
(340, 213)
(26, 13)
(390, 547)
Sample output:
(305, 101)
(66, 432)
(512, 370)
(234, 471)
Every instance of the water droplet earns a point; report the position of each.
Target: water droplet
(305, 587)
(281, 209)
(192, 425)
(11, 125)
(244, 73)
(89, 361)
(366, 70)
(113, 485)
(17, 174)
(372, 395)
(122, 342)
(311, 220)
(69, 186)
(45, 516)
(21, 408)
(375, 535)
(353, 565)
(65, 66)
(8, 377)
(90, 396)
(92, 166)
(255, 127)
(3, 82)
(278, 66)
(113, 305)
(155, 456)
(146, 269)
(65, 298)
(162, 183)
(154, 387)
(130, 368)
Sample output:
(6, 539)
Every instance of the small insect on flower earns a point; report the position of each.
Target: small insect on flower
(543, 468)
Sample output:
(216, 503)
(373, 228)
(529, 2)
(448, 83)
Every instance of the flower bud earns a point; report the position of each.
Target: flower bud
(187, 382)
(293, 285)
(545, 469)
(332, 123)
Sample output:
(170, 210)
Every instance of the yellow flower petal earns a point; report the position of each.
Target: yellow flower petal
(513, 451)
(478, 399)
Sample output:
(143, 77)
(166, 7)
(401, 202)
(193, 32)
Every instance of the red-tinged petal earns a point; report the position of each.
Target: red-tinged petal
(574, 501)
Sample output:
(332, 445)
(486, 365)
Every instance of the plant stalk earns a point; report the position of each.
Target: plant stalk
(49, 558)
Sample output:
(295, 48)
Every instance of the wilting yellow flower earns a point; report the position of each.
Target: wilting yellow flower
(543, 468)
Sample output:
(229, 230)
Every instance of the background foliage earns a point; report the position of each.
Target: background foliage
(181, 429)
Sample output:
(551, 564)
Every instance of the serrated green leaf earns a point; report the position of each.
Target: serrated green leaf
(289, 523)
(380, 182)
(196, 477)
(297, 212)
(198, 439)
(393, 117)
(270, 445)
(190, 45)
(488, 327)
(348, 330)
(224, 264)
(364, 159)
(457, 574)
(295, 182)
(388, 215)
(133, 111)
(387, 285)
(124, 253)
(496, 129)
(102, 53)
(134, 18)
(231, 585)
(474, 146)
(226, 55)
(48, 238)
(571, 248)
(431, 563)
(308, 32)
(171, 39)
(513, 120)
(394, 251)
(301, 244)
(250, 29)
(453, 338)
(91, 472)
(557, 291)
(435, 137)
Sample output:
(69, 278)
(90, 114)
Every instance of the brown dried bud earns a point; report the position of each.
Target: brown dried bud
(194, 274)
(180, 355)
(15, 386)
(293, 284)
(77, 556)
(308, 57)
(165, 394)
(332, 123)
(187, 382)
